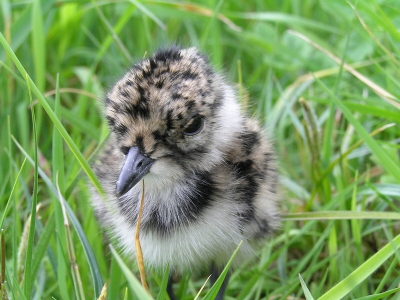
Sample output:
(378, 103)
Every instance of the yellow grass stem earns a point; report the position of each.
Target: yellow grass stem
(139, 253)
(202, 288)
(103, 294)
(378, 90)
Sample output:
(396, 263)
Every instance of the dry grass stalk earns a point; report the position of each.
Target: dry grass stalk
(139, 254)
(381, 92)
(202, 287)
(103, 294)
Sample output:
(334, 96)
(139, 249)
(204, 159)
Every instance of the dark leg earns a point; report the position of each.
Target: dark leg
(215, 272)
(170, 289)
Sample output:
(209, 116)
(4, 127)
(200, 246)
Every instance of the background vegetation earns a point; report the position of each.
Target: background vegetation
(323, 76)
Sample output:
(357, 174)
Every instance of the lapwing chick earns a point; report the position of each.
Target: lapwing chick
(209, 171)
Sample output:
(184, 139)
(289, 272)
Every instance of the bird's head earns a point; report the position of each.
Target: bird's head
(171, 113)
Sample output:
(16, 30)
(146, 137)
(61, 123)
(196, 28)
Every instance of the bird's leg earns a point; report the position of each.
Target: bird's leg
(170, 289)
(215, 272)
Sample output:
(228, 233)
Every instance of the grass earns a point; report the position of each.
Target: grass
(323, 76)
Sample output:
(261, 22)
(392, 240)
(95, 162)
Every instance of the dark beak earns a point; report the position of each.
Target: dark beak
(134, 168)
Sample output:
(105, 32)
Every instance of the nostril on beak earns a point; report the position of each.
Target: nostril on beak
(135, 166)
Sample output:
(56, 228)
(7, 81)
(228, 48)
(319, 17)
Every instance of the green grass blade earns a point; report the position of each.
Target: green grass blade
(133, 282)
(342, 215)
(356, 224)
(283, 18)
(163, 287)
(392, 268)
(362, 272)
(11, 194)
(247, 288)
(82, 125)
(91, 259)
(38, 45)
(78, 155)
(58, 173)
(114, 284)
(306, 291)
(21, 28)
(42, 244)
(381, 92)
(28, 278)
(76, 277)
(148, 13)
(382, 156)
(183, 286)
(17, 289)
(113, 34)
(57, 149)
(3, 291)
(374, 110)
(381, 295)
(333, 251)
(107, 41)
(212, 293)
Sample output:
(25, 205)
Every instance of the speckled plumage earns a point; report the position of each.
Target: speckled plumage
(205, 192)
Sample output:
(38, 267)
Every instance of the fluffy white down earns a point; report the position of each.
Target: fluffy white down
(211, 239)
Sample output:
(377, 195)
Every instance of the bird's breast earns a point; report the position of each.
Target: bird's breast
(187, 237)
(170, 207)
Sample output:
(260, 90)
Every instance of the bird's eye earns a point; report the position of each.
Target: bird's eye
(196, 125)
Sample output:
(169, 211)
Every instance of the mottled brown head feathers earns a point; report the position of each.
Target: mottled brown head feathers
(159, 98)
